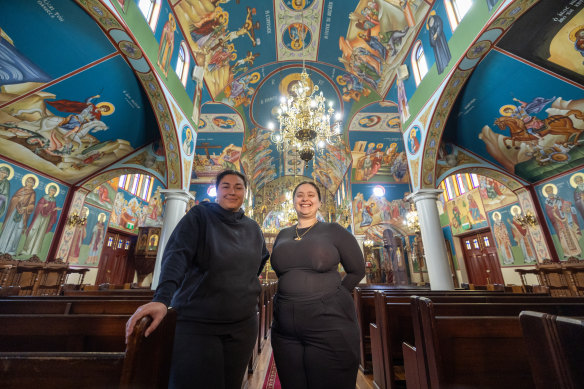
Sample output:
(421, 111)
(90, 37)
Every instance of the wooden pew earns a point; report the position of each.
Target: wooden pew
(554, 345)
(395, 325)
(473, 345)
(110, 292)
(363, 296)
(83, 351)
(67, 306)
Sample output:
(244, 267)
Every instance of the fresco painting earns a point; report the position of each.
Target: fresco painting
(88, 237)
(130, 212)
(371, 47)
(214, 154)
(104, 195)
(466, 212)
(563, 204)
(30, 207)
(378, 157)
(494, 194)
(370, 210)
(514, 242)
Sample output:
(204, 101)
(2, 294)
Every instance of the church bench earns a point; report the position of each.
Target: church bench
(473, 345)
(364, 294)
(110, 292)
(554, 345)
(83, 351)
(67, 306)
(395, 324)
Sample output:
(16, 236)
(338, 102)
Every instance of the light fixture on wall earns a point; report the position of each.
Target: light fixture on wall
(76, 220)
(305, 121)
(526, 220)
(411, 220)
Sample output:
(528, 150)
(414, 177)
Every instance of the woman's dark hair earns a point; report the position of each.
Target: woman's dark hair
(230, 172)
(309, 183)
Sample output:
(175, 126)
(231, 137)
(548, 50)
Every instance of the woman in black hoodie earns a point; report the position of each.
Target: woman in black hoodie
(209, 275)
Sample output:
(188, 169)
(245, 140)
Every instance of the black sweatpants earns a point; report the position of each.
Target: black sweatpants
(316, 342)
(213, 358)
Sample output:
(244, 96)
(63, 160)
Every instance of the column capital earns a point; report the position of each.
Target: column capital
(177, 194)
(424, 194)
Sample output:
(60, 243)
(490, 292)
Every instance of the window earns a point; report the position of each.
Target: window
(475, 242)
(183, 63)
(468, 246)
(456, 9)
(419, 64)
(475, 180)
(460, 183)
(449, 190)
(151, 10)
(486, 239)
(137, 184)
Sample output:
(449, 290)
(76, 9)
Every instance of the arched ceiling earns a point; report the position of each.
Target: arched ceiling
(249, 50)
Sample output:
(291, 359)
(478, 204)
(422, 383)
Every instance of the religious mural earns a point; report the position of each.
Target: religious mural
(370, 210)
(552, 37)
(130, 212)
(62, 130)
(563, 204)
(377, 31)
(513, 241)
(215, 153)
(378, 157)
(104, 195)
(494, 194)
(466, 212)
(88, 237)
(30, 207)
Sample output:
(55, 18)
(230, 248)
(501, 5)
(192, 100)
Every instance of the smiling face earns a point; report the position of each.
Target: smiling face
(306, 201)
(230, 192)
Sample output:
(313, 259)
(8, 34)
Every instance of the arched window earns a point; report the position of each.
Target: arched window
(137, 184)
(456, 9)
(151, 10)
(183, 63)
(419, 64)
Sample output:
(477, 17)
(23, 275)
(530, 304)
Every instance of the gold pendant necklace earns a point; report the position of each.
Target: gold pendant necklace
(299, 237)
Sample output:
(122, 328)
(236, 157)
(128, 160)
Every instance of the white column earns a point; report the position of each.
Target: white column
(176, 201)
(433, 239)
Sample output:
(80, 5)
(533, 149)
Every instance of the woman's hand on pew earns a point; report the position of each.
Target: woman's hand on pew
(155, 310)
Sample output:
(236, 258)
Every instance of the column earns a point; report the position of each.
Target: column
(176, 204)
(433, 239)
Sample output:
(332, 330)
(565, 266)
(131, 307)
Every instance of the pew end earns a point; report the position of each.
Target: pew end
(147, 361)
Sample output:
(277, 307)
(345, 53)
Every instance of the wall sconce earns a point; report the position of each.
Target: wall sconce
(412, 220)
(528, 220)
(76, 220)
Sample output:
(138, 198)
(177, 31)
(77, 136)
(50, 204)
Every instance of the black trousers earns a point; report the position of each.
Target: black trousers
(212, 359)
(316, 342)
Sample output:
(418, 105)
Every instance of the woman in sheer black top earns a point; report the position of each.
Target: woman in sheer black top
(315, 335)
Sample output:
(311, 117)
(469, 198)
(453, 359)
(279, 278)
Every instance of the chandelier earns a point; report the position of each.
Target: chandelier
(305, 120)
(411, 220)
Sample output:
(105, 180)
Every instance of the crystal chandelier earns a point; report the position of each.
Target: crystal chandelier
(305, 121)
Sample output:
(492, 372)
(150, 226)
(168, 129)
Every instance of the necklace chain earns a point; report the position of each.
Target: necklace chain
(299, 237)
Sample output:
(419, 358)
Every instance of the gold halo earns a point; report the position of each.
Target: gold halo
(290, 78)
(393, 145)
(101, 216)
(543, 190)
(573, 179)
(56, 188)
(574, 31)
(301, 6)
(516, 210)
(84, 211)
(341, 80)
(498, 214)
(431, 13)
(11, 174)
(503, 109)
(106, 104)
(26, 176)
(255, 77)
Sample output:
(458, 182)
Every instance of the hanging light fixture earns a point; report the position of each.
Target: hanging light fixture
(305, 120)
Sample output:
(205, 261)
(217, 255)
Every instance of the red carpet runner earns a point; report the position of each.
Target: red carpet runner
(271, 381)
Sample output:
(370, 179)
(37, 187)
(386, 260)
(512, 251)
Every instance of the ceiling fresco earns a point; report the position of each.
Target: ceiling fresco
(531, 129)
(68, 112)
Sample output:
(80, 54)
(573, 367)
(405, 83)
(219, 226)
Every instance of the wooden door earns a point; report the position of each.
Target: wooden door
(480, 257)
(114, 265)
